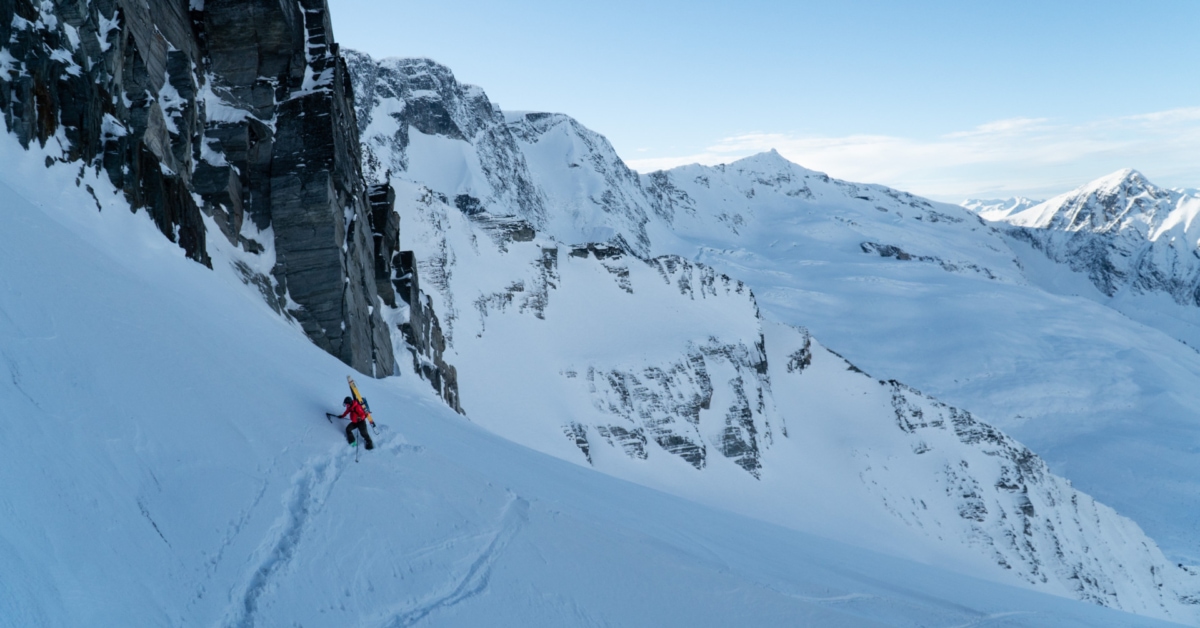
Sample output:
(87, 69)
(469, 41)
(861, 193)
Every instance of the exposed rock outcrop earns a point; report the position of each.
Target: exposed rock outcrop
(230, 109)
(1123, 232)
(397, 97)
(423, 332)
(529, 165)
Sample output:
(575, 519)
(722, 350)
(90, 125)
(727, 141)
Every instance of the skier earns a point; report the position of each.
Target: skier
(358, 418)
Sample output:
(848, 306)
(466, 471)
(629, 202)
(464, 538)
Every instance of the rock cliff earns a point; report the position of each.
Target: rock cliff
(216, 117)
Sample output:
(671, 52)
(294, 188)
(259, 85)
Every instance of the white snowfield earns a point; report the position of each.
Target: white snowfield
(1103, 386)
(674, 349)
(1120, 405)
(166, 462)
(998, 209)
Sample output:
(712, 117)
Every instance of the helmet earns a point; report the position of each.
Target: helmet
(347, 401)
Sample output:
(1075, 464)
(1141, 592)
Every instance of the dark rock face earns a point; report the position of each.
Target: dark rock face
(801, 358)
(397, 281)
(1124, 233)
(504, 229)
(673, 403)
(889, 250)
(423, 332)
(114, 85)
(240, 109)
(665, 404)
(422, 95)
(385, 227)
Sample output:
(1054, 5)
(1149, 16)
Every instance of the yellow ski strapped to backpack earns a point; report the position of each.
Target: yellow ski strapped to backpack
(359, 399)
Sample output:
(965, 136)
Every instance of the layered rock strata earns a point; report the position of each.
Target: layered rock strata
(228, 109)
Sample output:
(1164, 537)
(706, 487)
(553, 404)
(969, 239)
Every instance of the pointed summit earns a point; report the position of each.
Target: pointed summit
(771, 158)
(1124, 232)
(770, 162)
(1112, 197)
(1097, 205)
(1126, 179)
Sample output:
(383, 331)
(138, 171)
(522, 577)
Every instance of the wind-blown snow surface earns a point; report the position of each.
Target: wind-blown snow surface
(166, 462)
(660, 369)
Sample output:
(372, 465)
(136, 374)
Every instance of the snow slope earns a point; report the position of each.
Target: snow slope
(927, 294)
(660, 369)
(166, 462)
(998, 209)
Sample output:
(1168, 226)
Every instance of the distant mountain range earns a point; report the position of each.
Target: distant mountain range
(997, 209)
(661, 328)
(1004, 390)
(1122, 231)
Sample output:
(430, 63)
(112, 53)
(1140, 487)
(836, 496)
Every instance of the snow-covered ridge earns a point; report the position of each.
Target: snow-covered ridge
(957, 307)
(480, 157)
(566, 349)
(573, 335)
(998, 209)
(1124, 232)
(1005, 501)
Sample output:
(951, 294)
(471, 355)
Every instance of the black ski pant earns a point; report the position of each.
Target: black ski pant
(362, 429)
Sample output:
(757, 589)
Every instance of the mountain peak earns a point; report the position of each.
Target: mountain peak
(769, 160)
(1126, 179)
(1119, 189)
(413, 65)
(770, 156)
(1102, 204)
(1109, 190)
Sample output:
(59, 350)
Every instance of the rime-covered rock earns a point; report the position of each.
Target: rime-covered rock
(225, 109)
(1123, 232)
(563, 179)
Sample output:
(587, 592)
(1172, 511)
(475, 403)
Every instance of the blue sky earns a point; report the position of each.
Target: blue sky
(946, 99)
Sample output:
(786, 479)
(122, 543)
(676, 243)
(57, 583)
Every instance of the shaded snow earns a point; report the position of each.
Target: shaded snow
(167, 463)
(584, 353)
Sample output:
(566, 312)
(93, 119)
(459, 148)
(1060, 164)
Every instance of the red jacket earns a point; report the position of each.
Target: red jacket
(356, 412)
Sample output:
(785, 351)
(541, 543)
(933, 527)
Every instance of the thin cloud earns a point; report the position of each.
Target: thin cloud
(1010, 157)
(1007, 127)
